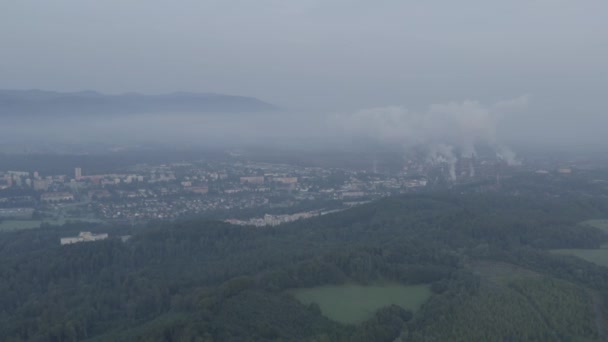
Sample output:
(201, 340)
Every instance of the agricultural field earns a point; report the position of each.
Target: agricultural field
(10, 225)
(596, 256)
(13, 225)
(601, 224)
(352, 304)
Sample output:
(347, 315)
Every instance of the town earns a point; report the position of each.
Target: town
(240, 192)
(185, 189)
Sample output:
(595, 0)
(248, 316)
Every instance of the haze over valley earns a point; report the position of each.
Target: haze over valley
(306, 171)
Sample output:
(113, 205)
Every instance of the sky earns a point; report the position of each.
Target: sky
(330, 55)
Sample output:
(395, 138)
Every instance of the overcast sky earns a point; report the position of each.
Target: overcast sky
(313, 54)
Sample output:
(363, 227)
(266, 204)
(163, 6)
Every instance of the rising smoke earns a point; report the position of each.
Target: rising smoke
(447, 131)
(442, 153)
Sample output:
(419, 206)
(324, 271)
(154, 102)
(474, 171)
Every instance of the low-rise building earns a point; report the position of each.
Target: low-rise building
(199, 190)
(83, 237)
(252, 180)
(286, 180)
(56, 197)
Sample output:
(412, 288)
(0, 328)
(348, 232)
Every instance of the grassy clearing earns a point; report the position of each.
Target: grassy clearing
(352, 304)
(596, 256)
(12, 225)
(601, 224)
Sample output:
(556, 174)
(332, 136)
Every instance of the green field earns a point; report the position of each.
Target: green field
(601, 224)
(12, 225)
(351, 304)
(596, 256)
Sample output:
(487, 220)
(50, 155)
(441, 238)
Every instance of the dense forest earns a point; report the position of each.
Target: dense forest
(485, 256)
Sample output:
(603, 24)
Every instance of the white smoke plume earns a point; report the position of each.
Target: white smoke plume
(458, 125)
(441, 153)
(507, 155)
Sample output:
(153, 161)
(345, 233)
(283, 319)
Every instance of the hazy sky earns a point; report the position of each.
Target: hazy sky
(329, 54)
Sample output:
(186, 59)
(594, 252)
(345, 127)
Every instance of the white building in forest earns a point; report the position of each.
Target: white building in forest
(83, 237)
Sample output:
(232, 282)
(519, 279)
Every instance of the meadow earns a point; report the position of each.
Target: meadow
(13, 225)
(10, 225)
(597, 256)
(352, 304)
(601, 224)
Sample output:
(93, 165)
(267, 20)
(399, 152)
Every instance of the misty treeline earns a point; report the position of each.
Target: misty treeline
(210, 281)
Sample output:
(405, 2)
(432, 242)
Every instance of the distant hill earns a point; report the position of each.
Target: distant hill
(39, 102)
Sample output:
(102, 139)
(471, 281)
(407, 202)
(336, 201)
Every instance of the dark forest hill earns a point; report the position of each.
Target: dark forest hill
(486, 258)
(48, 103)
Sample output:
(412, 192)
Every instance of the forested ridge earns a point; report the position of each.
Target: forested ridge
(485, 257)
